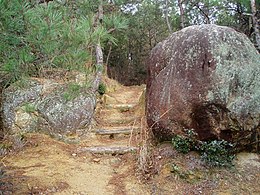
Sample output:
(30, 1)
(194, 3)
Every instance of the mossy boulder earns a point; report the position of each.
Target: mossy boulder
(47, 105)
(205, 78)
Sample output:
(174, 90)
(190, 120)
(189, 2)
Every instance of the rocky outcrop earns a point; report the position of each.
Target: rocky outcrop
(15, 97)
(65, 115)
(47, 105)
(2, 84)
(205, 78)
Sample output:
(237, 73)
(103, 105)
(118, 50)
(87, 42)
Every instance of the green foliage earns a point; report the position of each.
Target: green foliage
(12, 143)
(217, 153)
(29, 108)
(62, 34)
(5, 146)
(14, 51)
(214, 153)
(102, 89)
(58, 39)
(177, 170)
(184, 144)
(115, 22)
(188, 175)
(35, 37)
(72, 92)
(147, 26)
(22, 83)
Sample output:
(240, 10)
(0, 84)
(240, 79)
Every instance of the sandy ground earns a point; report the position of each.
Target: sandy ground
(47, 166)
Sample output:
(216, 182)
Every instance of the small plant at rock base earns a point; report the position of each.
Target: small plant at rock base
(181, 144)
(22, 83)
(217, 153)
(12, 143)
(214, 153)
(184, 144)
(5, 147)
(187, 175)
(102, 89)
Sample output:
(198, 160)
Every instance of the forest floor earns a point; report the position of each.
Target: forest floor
(115, 158)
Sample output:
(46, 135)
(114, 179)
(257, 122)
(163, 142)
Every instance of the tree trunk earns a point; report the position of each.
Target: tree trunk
(99, 66)
(167, 17)
(256, 25)
(108, 56)
(206, 13)
(182, 16)
(98, 48)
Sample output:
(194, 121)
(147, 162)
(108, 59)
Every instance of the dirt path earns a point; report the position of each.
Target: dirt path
(105, 161)
(102, 163)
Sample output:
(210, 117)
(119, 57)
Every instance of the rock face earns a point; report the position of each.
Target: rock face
(1, 120)
(205, 78)
(46, 105)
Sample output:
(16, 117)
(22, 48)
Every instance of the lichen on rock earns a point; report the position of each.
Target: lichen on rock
(205, 78)
(41, 105)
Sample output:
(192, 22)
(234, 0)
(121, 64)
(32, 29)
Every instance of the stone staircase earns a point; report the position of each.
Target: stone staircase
(118, 118)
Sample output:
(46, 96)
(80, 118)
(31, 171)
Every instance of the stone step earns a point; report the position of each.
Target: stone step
(108, 149)
(121, 107)
(107, 99)
(127, 94)
(118, 120)
(118, 130)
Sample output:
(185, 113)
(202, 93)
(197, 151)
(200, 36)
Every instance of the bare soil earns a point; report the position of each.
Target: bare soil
(47, 166)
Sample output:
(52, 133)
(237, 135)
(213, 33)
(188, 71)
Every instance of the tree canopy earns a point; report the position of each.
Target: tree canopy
(40, 35)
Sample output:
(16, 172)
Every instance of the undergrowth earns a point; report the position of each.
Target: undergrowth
(102, 89)
(214, 153)
(12, 143)
(29, 108)
(184, 144)
(217, 153)
(72, 91)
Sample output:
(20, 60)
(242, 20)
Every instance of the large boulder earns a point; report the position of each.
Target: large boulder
(205, 78)
(47, 105)
(2, 84)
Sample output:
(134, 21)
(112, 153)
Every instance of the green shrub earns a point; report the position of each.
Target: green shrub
(29, 108)
(102, 89)
(22, 83)
(35, 37)
(184, 144)
(72, 91)
(217, 153)
(12, 142)
(214, 153)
